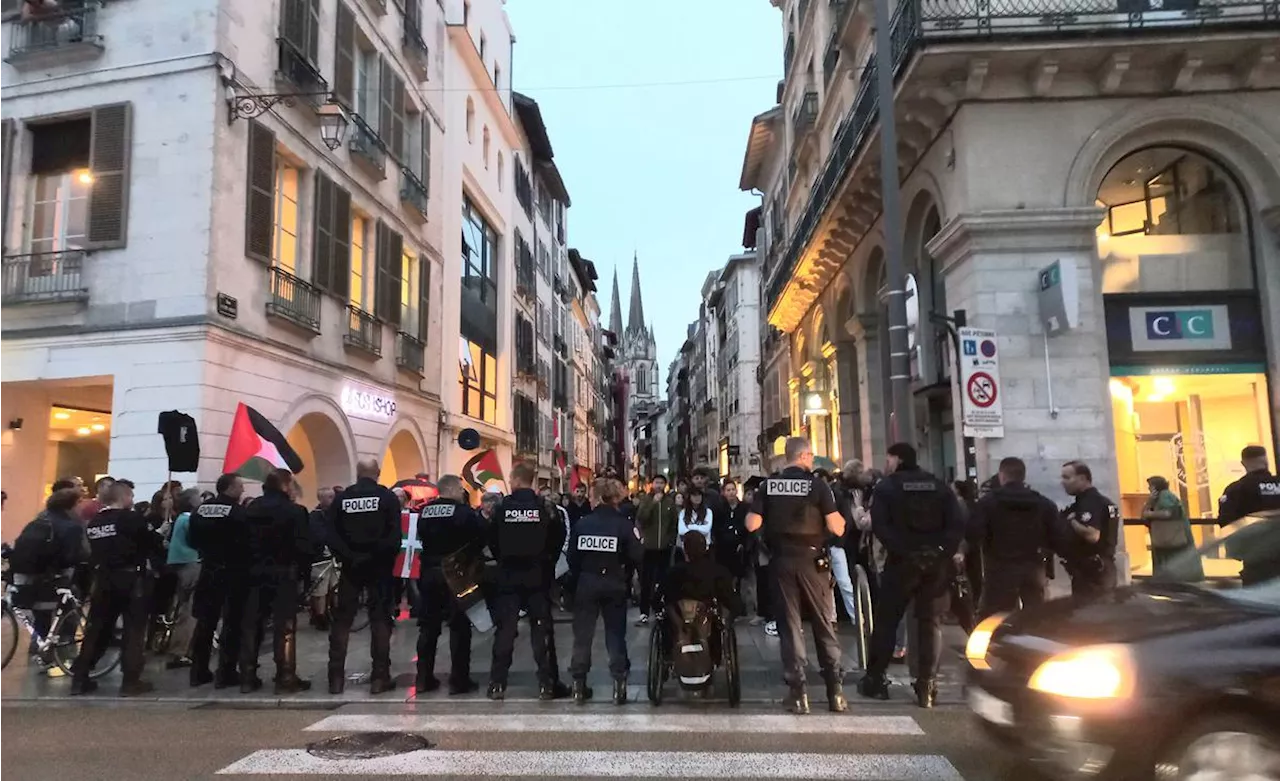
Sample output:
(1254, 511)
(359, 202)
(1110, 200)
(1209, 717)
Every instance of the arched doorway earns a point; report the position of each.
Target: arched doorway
(1185, 338)
(319, 443)
(402, 459)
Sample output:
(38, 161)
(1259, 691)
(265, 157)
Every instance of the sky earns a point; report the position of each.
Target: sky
(651, 166)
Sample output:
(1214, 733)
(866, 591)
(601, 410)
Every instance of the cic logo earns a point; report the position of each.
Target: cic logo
(1180, 324)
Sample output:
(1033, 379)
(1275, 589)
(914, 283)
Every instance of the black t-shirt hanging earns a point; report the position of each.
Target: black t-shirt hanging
(181, 442)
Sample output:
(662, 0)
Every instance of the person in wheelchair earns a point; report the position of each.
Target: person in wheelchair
(701, 578)
(700, 598)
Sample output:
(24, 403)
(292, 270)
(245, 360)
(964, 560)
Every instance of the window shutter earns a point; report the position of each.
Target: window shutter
(109, 162)
(344, 66)
(322, 253)
(260, 202)
(386, 285)
(400, 125)
(386, 100)
(426, 151)
(313, 31)
(424, 297)
(293, 23)
(341, 255)
(395, 273)
(6, 156)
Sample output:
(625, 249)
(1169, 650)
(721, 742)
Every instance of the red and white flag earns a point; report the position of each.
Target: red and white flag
(408, 565)
(557, 449)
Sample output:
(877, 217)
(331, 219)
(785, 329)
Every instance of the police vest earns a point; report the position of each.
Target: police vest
(1016, 530)
(919, 506)
(522, 532)
(791, 512)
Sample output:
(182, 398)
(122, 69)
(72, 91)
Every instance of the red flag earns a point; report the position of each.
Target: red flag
(557, 449)
(408, 565)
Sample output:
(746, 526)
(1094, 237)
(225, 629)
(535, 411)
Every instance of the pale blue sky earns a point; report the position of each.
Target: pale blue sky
(651, 169)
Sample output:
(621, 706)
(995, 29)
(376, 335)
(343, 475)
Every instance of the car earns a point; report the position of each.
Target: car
(1172, 678)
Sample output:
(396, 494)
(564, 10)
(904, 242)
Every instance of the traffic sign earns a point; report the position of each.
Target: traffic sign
(982, 402)
(981, 389)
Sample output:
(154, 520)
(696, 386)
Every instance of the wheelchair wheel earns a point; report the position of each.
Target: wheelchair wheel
(657, 663)
(866, 615)
(731, 670)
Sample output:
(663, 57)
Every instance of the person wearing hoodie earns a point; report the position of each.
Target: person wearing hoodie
(1014, 525)
(656, 520)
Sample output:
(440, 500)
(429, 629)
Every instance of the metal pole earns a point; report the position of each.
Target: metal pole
(895, 273)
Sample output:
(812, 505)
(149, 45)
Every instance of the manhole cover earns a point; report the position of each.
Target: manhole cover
(368, 745)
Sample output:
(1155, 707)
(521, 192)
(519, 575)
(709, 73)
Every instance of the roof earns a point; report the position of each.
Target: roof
(551, 178)
(531, 119)
(762, 137)
(750, 226)
(584, 269)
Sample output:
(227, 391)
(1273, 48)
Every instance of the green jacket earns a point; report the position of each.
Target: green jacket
(656, 519)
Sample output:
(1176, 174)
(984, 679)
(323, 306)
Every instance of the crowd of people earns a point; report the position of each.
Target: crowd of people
(774, 550)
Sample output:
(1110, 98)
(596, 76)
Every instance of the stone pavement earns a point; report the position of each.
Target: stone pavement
(757, 652)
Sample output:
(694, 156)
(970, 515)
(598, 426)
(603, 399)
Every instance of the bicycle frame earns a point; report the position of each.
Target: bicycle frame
(26, 616)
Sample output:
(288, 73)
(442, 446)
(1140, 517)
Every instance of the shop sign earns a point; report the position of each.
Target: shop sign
(1163, 328)
(1059, 297)
(362, 401)
(1209, 332)
(980, 383)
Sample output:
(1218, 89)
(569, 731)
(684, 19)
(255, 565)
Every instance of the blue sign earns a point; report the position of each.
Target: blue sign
(970, 347)
(1179, 324)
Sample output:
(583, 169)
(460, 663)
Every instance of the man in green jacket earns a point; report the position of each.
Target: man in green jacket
(656, 520)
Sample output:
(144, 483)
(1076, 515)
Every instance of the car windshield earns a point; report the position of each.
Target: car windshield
(1244, 558)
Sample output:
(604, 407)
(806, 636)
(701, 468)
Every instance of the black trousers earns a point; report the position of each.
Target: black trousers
(436, 608)
(115, 593)
(599, 597)
(375, 580)
(902, 582)
(513, 594)
(1013, 584)
(1089, 580)
(220, 596)
(271, 592)
(653, 570)
(801, 592)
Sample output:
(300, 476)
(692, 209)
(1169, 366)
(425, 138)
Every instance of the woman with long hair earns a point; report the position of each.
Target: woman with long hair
(695, 516)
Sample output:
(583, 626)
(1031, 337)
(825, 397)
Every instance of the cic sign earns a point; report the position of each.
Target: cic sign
(362, 401)
(1158, 328)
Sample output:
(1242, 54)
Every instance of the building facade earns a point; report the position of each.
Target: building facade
(734, 304)
(1124, 162)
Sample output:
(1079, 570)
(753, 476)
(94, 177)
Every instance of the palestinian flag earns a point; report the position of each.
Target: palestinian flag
(483, 469)
(255, 447)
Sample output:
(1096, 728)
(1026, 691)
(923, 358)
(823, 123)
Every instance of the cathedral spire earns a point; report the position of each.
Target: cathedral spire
(635, 313)
(615, 317)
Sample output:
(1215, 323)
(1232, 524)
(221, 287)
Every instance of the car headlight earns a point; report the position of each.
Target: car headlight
(976, 649)
(1098, 672)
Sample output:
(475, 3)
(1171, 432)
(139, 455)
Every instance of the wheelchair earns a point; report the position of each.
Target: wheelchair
(723, 651)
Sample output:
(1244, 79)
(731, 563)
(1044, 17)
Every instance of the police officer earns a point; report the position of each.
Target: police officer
(798, 512)
(279, 544)
(604, 543)
(1013, 527)
(446, 526)
(918, 520)
(1089, 530)
(525, 538)
(219, 531)
(364, 534)
(121, 544)
(1257, 491)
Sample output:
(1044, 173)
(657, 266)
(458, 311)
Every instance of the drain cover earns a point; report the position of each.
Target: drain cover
(368, 745)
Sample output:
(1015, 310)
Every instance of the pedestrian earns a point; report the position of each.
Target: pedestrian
(91, 507)
(1013, 526)
(1170, 530)
(919, 521)
(219, 532)
(656, 520)
(324, 576)
(365, 535)
(603, 543)
(579, 505)
(730, 537)
(1257, 491)
(447, 527)
(797, 512)
(122, 548)
(183, 562)
(526, 539)
(1091, 527)
(695, 517)
(843, 550)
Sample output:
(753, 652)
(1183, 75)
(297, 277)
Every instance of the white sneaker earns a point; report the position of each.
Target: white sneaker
(771, 628)
(644, 620)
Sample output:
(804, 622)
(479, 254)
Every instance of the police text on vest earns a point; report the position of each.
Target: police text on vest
(597, 543)
(778, 486)
(360, 504)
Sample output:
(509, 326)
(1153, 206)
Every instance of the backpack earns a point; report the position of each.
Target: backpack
(35, 552)
(691, 646)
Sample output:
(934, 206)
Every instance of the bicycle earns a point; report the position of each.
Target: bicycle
(361, 619)
(64, 639)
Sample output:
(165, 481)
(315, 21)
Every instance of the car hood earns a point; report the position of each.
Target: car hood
(1129, 615)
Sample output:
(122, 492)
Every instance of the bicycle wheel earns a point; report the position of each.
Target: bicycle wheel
(9, 630)
(68, 635)
(866, 615)
(657, 663)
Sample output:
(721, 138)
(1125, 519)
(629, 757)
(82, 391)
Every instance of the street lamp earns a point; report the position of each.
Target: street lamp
(333, 125)
(333, 119)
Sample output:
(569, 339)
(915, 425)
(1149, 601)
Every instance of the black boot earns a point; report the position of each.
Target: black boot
(225, 678)
(136, 688)
(462, 686)
(926, 692)
(553, 691)
(874, 687)
(798, 700)
(337, 681)
(287, 680)
(580, 691)
(249, 681)
(425, 682)
(620, 691)
(83, 686)
(199, 677)
(380, 684)
(497, 691)
(836, 702)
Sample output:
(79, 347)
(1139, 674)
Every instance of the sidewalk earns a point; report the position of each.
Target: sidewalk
(757, 653)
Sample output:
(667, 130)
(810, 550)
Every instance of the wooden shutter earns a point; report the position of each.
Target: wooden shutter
(424, 297)
(260, 202)
(399, 120)
(331, 269)
(344, 65)
(322, 246)
(426, 151)
(6, 160)
(341, 255)
(312, 24)
(109, 162)
(386, 100)
(386, 283)
(293, 25)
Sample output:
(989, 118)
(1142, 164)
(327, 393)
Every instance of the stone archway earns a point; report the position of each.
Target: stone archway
(403, 457)
(319, 432)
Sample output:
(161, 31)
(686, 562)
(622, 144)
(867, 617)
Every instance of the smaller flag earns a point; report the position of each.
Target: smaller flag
(408, 564)
(483, 469)
(255, 447)
(557, 449)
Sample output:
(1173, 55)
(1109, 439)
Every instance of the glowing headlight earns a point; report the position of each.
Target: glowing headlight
(976, 649)
(1100, 672)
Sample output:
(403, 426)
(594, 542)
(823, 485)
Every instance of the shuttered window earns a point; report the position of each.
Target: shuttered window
(331, 266)
(109, 155)
(259, 207)
(424, 298)
(300, 27)
(6, 156)
(386, 277)
(344, 62)
(393, 117)
(386, 100)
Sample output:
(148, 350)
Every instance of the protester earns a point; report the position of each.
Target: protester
(184, 566)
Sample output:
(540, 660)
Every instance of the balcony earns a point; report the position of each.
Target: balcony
(294, 68)
(413, 193)
(364, 332)
(367, 149)
(44, 277)
(57, 37)
(415, 48)
(410, 353)
(294, 301)
(831, 60)
(985, 19)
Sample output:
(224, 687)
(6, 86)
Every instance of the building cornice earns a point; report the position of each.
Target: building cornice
(1071, 228)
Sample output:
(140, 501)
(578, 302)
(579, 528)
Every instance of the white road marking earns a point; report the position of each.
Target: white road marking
(623, 724)
(607, 764)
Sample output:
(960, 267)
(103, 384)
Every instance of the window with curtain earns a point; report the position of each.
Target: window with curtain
(284, 246)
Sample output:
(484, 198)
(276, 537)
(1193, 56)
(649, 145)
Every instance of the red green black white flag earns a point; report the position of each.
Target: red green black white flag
(255, 447)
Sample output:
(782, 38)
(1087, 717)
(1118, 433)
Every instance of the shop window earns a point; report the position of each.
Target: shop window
(79, 444)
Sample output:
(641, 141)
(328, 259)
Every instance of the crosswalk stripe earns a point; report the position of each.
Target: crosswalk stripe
(607, 764)
(623, 724)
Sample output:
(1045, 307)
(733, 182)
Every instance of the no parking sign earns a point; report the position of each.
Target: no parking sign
(980, 383)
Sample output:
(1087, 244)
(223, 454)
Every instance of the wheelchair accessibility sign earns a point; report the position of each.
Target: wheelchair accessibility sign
(981, 395)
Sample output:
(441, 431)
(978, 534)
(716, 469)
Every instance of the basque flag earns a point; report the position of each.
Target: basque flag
(408, 563)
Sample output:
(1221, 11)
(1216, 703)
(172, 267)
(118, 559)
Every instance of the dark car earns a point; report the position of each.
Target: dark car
(1174, 678)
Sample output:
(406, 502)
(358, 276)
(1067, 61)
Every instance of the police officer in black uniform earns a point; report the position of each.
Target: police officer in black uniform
(219, 531)
(279, 544)
(365, 535)
(919, 522)
(1257, 491)
(1013, 525)
(604, 544)
(798, 512)
(1089, 530)
(525, 539)
(121, 546)
(447, 526)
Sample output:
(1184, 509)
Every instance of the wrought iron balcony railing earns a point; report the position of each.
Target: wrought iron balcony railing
(364, 332)
(416, 47)
(413, 191)
(68, 32)
(410, 353)
(296, 68)
(294, 300)
(44, 277)
(367, 147)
